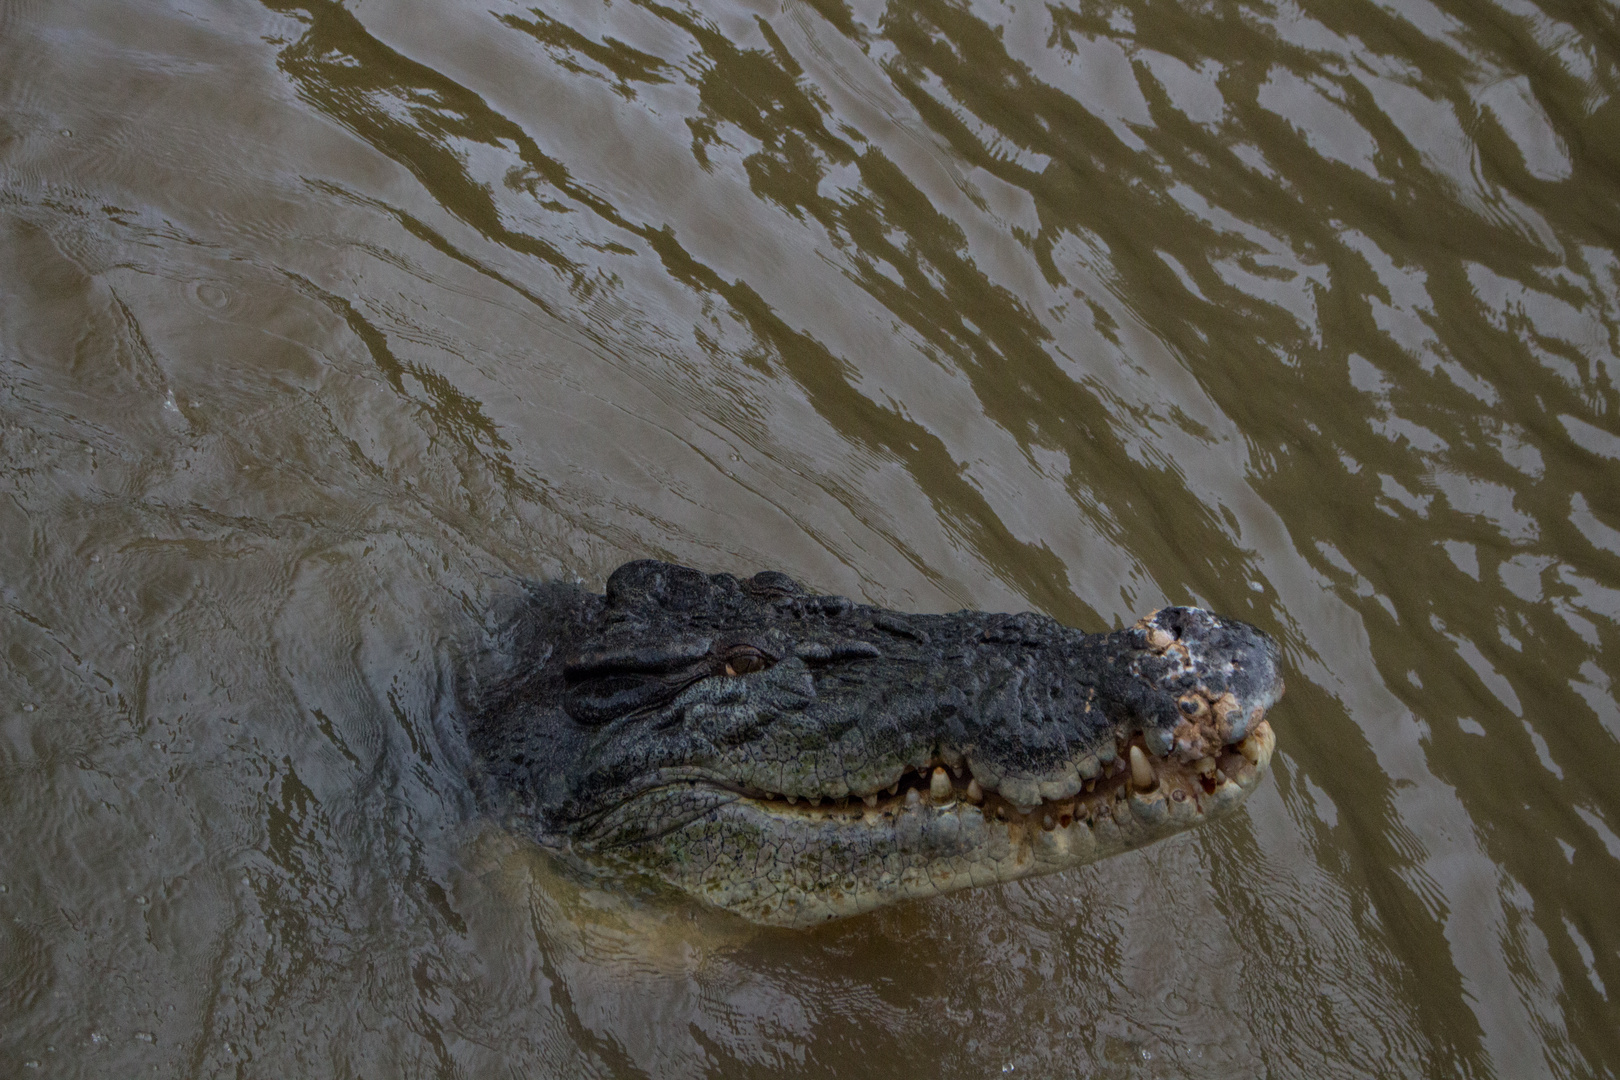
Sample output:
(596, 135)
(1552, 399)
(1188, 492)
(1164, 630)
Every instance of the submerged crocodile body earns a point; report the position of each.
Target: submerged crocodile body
(795, 758)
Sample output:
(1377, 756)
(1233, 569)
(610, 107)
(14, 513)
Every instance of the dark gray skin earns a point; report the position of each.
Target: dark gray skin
(795, 758)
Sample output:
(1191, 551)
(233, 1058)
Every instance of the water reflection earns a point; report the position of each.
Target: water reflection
(321, 322)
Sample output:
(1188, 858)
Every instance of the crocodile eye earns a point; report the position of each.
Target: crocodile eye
(745, 660)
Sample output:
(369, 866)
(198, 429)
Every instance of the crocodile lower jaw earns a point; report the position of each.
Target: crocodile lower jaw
(931, 836)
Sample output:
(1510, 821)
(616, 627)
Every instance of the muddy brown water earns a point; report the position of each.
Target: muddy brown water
(319, 322)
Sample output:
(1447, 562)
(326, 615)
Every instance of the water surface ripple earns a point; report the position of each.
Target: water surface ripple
(320, 322)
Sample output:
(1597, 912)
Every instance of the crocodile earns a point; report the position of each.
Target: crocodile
(795, 757)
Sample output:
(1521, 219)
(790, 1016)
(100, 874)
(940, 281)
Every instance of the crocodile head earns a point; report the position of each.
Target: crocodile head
(795, 758)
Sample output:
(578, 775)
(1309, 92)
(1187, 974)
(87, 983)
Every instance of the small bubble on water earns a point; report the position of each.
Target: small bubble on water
(28, 707)
(30, 1064)
(146, 1036)
(97, 1037)
(95, 558)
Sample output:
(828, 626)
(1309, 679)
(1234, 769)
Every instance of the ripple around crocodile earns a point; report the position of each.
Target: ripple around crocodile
(795, 758)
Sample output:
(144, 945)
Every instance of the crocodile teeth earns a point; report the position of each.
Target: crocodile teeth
(913, 797)
(1259, 744)
(870, 800)
(939, 786)
(975, 793)
(1141, 771)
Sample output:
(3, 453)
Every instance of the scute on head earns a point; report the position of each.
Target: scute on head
(647, 581)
